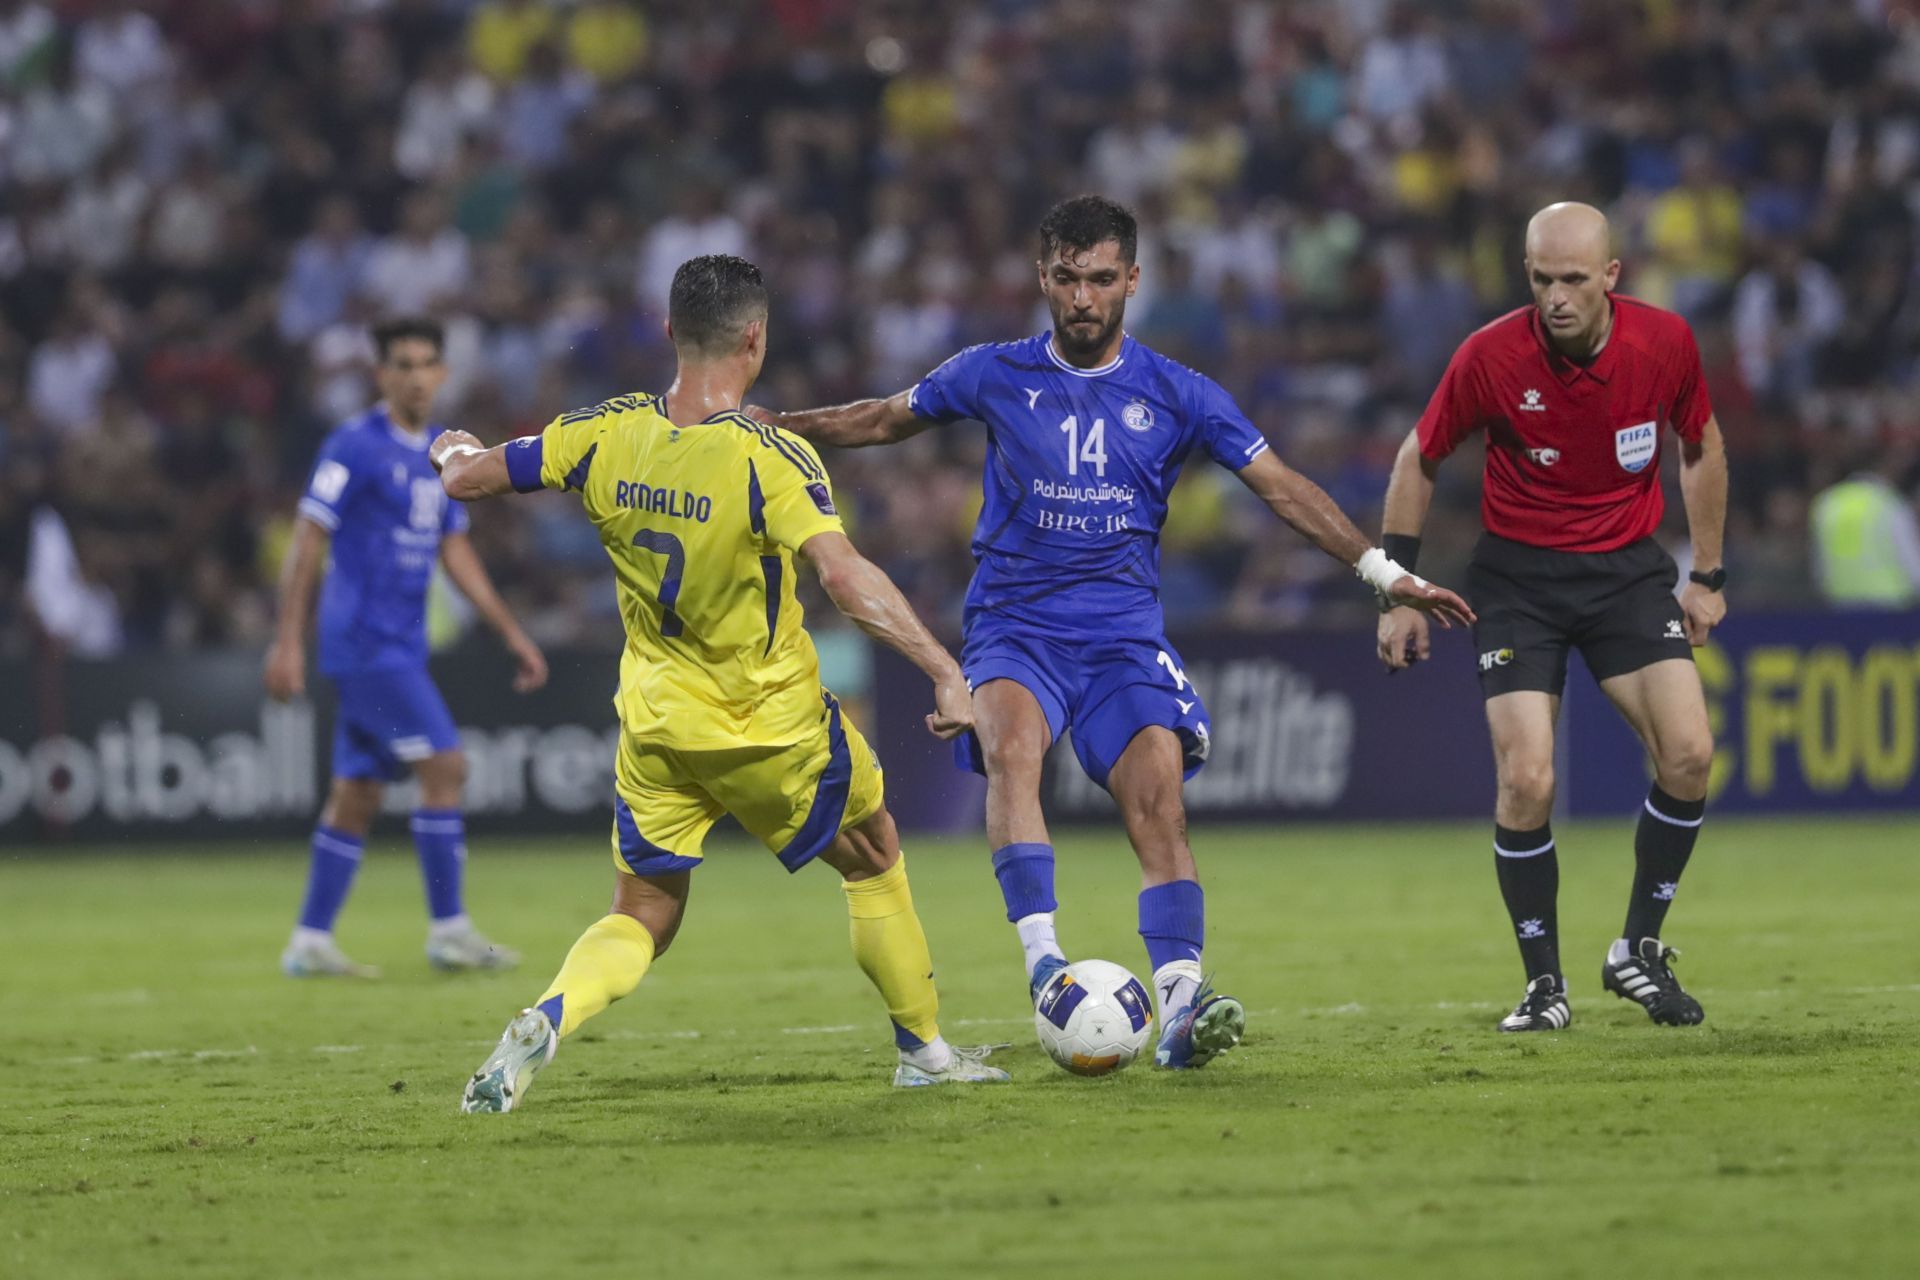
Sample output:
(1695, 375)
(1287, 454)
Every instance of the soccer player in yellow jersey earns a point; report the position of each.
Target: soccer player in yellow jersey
(702, 510)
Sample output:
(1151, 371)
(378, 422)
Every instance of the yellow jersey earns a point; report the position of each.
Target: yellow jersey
(701, 523)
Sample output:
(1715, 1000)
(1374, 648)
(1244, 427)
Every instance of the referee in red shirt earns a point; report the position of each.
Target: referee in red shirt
(1577, 394)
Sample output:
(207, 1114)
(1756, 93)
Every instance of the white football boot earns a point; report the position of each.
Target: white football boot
(528, 1044)
(312, 954)
(967, 1067)
(465, 947)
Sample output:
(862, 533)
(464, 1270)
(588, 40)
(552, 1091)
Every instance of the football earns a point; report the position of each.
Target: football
(1093, 1018)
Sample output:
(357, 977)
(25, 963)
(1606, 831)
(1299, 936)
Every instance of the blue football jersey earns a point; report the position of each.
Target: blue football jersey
(1079, 466)
(375, 492)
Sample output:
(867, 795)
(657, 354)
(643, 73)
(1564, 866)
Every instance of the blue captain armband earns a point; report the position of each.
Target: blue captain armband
(525, 457)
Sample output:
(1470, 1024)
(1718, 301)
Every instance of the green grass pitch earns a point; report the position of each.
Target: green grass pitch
(171, 1106)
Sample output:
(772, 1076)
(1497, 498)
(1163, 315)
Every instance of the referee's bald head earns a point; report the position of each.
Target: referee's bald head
(1569, 229)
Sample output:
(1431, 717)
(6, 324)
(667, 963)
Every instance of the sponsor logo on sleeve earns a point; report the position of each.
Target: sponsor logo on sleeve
(822, 499)
(329, 481)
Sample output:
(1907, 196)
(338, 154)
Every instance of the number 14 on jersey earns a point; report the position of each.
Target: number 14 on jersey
(1092, 451)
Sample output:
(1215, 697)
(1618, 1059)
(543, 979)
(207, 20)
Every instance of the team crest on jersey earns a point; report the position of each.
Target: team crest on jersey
(1137, 417)
(822, 499)
(1634, 446)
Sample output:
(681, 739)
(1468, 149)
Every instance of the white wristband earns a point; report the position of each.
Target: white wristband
(1380, 572)
(454, 451)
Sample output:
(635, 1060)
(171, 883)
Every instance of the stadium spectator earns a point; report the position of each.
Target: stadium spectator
(123, 50)
(29, 39)
(502, 33)
(700, 225)
(1693, 232)
(64, 125)
(447, 104)
(1784, 311)
(607, 39)
(1867, 539)
(424, 266)
(68, 373)
(325, 271)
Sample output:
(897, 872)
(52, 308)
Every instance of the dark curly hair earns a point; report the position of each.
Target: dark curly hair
(1086, 221)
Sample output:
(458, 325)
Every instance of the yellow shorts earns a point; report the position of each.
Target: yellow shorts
(795, 798)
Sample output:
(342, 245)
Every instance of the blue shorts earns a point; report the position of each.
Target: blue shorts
(1105, 689)
(389, 720)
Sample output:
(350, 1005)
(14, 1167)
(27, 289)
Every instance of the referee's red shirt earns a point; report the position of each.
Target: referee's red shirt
(1573, 451)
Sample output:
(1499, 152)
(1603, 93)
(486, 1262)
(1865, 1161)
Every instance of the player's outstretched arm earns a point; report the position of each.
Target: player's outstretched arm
(468, 469)
(860, 589)
(1306, 506)
(1403, 637)
(286, 669)
(851, 426)
(464, 567)
(1703, 490)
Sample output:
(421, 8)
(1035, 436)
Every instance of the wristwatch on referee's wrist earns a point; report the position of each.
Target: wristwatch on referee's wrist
(1712, 581)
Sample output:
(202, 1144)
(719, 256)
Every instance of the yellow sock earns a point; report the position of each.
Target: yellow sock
(892, 950)
(606, 963)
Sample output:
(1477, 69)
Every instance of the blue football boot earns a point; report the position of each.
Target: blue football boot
(1201, 1032)
(1043, 974)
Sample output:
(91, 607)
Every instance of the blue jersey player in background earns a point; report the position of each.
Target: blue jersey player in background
(1087, 432)
(377, 500)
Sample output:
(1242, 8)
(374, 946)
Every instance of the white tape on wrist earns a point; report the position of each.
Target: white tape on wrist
(1379, 572)
(457, 451)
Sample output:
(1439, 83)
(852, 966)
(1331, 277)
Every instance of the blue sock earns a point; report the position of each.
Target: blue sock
(440, 837)
(1173, 922)
(1025, 872)
(336, 857)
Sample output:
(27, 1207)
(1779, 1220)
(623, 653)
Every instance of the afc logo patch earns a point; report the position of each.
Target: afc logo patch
(822, 499)
(1545, 457)
(1635, 446)
(1495, 658)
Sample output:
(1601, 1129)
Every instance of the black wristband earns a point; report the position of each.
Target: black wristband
(1401, 548)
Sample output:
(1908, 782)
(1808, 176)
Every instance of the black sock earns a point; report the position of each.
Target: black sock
(1661, 846)
(1530, 883)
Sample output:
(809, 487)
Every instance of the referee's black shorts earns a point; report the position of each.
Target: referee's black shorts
(1616, 607)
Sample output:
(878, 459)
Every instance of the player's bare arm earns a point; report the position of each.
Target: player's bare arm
(1703, 490)
(861, 590)
(851, 426)
(286, 669)
(468, 469)
(1403, 636)
(463, 566)
(1305, 505)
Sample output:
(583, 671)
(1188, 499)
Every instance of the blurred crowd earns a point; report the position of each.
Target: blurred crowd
(203, 202)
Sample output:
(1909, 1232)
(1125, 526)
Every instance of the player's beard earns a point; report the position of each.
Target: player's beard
(1074, 346)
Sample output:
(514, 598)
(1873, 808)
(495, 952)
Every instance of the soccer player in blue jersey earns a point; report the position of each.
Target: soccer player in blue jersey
(376, 501)
(1087, 431)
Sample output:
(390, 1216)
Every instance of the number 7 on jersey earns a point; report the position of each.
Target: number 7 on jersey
(676, 553)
